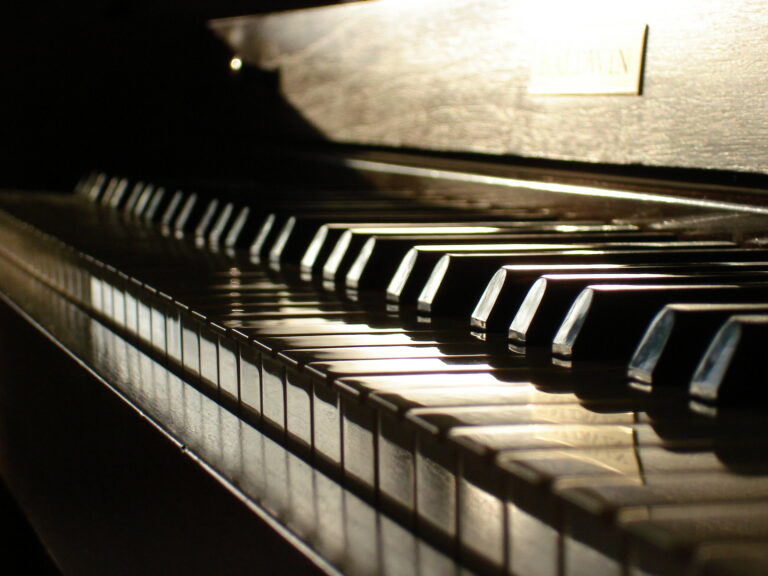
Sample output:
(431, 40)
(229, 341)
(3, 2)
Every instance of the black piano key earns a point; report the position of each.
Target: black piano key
(351, 242)
(189, 215)
(513, 287)
(676, 340)
(549, 298)
(83, 183)
(245, 226)
(732, 371)
(328, 235)
(416, 267)
(172, 210)
(380, 257)
(157, 205)
(502, 297)
(222, 223)
(96, 187)
(606, 322)
(142, 201)
(335, 259)
(298, 231)
(457, 281)
(319, 248)
(107, 188)
(207, 219)
(118, 194)
(133, 197)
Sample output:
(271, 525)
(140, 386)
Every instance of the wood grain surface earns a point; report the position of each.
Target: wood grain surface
(453, 75)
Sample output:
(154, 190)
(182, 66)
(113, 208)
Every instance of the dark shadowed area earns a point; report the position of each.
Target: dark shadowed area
(128, 86)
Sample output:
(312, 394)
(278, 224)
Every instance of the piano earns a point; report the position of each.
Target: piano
(499, 307)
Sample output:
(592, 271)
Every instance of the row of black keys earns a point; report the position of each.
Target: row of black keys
(537, 269)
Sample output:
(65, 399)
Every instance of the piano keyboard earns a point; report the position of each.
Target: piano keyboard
(526, 392)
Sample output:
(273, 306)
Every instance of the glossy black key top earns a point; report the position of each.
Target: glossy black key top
(133, 197)
(189, 215)
(352, 243)
(118, 195)
(328, 235)
(245, 226)
(95, 187)
(380, 257)
(416, 266)
(172, 210)
(458, 280)
(676, 340)
(157, 205)
(544, 307)
(733, 370)
(512, 289)
(221, 224)
(298, 232)
(143, 201)
(606, 322)
(502, 299)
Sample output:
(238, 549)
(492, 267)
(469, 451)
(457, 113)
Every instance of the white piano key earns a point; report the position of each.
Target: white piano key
(250, 379)
(363, 552)
(229, 387)
(118, 305)
(326, 426)
(97, 294)
(131, 313)
(143, 320)
(298, 408)
(331, 539)
(173, 333)
(158, 326)
(190, 345)
(481, 516)
(106, 299)
(273, 392)
(301, 514)
(209, 356)
(276, 494)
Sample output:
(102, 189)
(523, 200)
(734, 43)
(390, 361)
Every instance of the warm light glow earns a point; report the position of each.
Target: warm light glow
(235, 64)
(397, 283)
(426, 229)
(497, 247)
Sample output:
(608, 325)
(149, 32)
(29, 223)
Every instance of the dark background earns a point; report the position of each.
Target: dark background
(131, 87)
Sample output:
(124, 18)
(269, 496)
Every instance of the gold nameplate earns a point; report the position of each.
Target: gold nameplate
(581, 60)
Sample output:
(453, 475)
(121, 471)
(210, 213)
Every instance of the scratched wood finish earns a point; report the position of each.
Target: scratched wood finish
(453, 75)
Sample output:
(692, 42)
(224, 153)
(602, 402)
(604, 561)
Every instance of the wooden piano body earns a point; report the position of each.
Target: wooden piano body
(126, 462)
